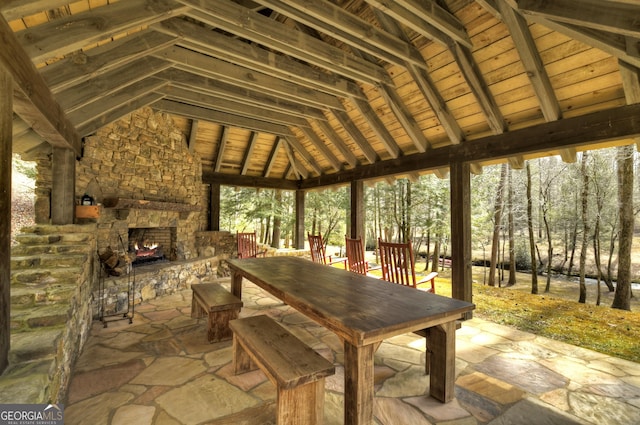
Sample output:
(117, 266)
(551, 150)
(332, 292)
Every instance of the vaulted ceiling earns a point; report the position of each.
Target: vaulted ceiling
(291, 93)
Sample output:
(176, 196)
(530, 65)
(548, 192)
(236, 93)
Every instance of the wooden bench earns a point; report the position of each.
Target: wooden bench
(295, 369)
(219, 305)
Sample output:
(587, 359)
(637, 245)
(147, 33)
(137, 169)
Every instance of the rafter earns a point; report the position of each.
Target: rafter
(267, 32)
(330, 19)
(616, 17)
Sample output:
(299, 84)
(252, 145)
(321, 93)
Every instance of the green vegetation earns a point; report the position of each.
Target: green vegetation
(558, 316)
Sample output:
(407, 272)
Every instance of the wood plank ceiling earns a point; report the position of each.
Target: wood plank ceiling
(279, 92)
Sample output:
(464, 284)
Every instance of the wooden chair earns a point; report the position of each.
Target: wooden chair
(355, 256)
(398, 265)
(247, 246)
(318, 255)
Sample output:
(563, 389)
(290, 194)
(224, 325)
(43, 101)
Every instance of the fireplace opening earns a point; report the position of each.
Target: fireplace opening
(149, 245)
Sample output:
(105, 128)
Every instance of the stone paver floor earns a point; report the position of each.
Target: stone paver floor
(160, 370)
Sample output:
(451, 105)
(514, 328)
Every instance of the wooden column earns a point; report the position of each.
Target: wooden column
(214, 207)
(357, 209)
(63, 187)
(300, 236)
(460, 188)
(6, 124)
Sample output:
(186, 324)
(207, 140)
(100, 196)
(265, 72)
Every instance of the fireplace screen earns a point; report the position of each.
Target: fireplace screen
(152, 244)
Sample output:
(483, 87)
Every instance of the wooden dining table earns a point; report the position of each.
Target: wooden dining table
(362, 311)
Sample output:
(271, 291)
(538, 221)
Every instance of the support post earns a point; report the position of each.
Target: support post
(63, 188)
(300, 236)
(214, 207)
(6, 125)
(460, 188)
(357, 210)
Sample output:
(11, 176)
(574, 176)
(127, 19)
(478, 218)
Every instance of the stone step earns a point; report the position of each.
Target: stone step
(35, 344)
(47, 261)
(53, 238)
(46, 276)
(46, 229)
(24, 318)
(24, 295)
(26, 250)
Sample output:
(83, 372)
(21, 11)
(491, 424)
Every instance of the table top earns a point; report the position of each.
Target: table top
(360, 309)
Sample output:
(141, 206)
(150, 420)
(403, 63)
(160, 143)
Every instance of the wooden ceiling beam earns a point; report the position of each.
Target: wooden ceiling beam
(32, 99)
(404, 117)
(440, 18)
(108, 83)
(98, 114)
(62, 36)
(322, 148)
(334, 21)
(248, 153)
(211, 67)
(253, 26)
(224, 118)
(255, 57)
(528, 52)
(180, 78)
(378, 127)
(411, 20)
(334, 138)
(82, 66)
(192, 95)
(271, 160)
(209, 177)
(610, 16)
(425, 84)
(16, 9)
(612, 124)
(357, 136)
(292, 146)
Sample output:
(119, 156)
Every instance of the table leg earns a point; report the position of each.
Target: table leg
(358, 384)
(236, 284)
(442, 342)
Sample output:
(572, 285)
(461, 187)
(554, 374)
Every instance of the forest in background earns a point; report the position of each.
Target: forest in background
(548, 218)
(571, 210)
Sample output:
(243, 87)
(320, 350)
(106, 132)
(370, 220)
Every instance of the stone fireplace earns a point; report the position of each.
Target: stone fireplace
(147, 187)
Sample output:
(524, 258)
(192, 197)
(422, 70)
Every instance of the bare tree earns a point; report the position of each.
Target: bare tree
(622, 296)
(497, 217)
(585, 227)
(532, 241)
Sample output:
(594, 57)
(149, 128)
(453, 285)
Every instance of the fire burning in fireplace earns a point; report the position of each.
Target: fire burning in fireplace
(147, 245)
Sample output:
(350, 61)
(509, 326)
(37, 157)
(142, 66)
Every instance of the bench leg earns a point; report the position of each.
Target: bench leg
(218, 327)
(303, 404)
(241, 360)
(197, 311)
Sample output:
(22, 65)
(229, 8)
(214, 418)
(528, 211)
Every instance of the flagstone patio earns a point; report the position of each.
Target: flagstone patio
(160, 370)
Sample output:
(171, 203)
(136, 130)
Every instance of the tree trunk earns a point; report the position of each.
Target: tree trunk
(532, 241)
(622, 296)
(512, 242)
(497, 215)
(277, 223)
(585, 227)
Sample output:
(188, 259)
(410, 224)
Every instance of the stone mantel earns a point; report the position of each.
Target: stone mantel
(123, 205)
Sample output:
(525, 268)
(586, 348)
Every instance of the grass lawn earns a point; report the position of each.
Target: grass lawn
(557, 314)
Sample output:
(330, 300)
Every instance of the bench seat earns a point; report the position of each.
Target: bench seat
(219, 306)
(297, 371)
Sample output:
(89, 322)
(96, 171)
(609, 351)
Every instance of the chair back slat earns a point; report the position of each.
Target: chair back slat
(398, 264)
(247, 245)
(316, 245)
(355, 256)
